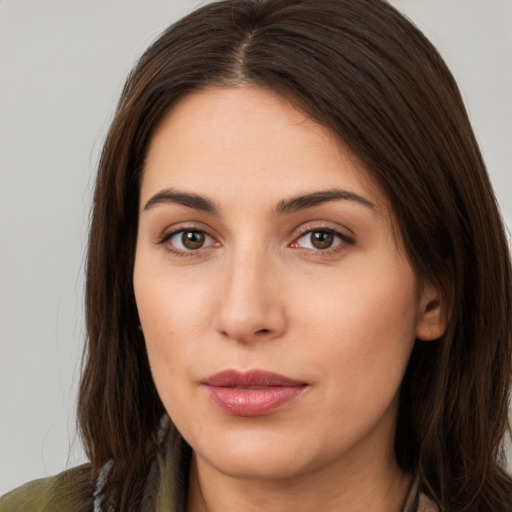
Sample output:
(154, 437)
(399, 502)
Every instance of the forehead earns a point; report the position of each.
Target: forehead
(249, 140)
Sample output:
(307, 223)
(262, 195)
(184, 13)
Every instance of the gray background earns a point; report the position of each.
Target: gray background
(62, 65)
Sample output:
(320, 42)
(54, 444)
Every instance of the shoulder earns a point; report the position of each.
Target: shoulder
(70, 491)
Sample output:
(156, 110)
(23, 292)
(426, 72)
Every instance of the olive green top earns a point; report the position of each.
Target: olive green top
(61, 494)
(71, 490)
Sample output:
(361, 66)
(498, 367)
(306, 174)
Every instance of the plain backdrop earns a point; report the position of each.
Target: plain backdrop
(62, 66)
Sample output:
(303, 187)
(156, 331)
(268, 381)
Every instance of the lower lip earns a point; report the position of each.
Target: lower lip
(253, 402)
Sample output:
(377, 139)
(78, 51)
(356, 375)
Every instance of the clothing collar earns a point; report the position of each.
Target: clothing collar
(166, 485)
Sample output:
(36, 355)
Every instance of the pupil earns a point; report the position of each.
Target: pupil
(192, 239)
(322, 239)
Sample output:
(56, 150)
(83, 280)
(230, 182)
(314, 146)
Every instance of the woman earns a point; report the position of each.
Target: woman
(298, 284)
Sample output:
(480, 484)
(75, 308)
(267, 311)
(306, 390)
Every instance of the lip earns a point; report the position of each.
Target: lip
(252, 393)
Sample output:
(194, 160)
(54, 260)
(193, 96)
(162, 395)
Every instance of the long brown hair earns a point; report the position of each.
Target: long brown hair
(365, 72)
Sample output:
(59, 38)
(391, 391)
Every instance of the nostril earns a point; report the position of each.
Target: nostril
(262, 331)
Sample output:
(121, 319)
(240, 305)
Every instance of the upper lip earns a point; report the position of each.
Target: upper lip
(252, 378)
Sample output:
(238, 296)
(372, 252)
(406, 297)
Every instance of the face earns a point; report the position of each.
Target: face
(277, 303)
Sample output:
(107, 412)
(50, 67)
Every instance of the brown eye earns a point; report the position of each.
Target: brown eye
(321, 239)
(188, 240)
(192, 239)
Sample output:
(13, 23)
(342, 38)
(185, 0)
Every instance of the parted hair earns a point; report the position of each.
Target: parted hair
(369, 75)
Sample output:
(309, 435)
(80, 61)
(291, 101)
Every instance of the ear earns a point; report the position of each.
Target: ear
(432, 313)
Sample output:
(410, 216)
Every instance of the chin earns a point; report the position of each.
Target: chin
(257, 456)
(261, 467)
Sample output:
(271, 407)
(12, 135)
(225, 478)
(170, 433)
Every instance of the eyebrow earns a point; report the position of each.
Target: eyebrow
(191, 200)
(324, 196)
(286, 206)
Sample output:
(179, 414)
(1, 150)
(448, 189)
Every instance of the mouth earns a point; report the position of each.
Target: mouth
(253, 393)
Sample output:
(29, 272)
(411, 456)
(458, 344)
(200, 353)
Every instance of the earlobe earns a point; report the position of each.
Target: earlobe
(432, 314)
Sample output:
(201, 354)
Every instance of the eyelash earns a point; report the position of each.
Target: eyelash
(179, 252)
(343, 240)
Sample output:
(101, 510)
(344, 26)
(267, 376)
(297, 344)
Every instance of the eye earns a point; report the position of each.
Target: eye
(321, 239)
(187, 240)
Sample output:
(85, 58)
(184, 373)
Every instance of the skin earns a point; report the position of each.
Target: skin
(258, 294)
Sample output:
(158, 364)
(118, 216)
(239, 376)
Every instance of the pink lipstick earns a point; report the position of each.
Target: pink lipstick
(253, 393)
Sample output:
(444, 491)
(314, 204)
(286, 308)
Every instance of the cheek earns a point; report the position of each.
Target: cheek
(173, 310)
(362, 331)
(364, 304)
(170, 328)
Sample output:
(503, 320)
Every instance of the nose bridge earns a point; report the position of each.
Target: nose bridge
(249, 305)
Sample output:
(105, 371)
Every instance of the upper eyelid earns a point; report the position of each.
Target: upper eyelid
(343, 237)
(343, 231)
(307, 227)
(186, 226)
(168, 234)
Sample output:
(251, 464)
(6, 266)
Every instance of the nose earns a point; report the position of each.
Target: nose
(251, 300)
